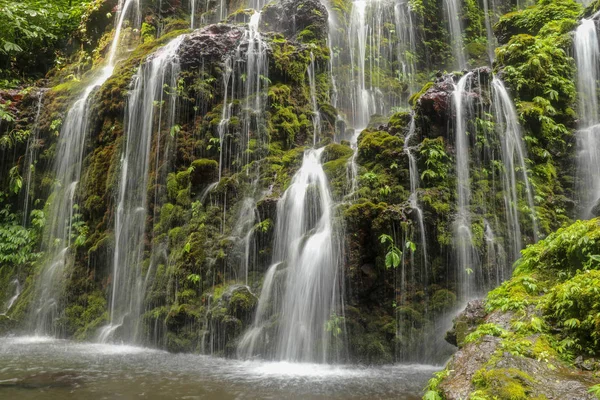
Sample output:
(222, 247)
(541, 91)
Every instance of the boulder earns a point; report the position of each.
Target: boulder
(210, 44)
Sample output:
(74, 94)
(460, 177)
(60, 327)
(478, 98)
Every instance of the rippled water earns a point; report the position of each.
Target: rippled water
(46, 368)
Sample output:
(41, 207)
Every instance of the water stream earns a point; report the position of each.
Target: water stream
(62, 210)
(150, 108)
(587, 57)
(306, 296)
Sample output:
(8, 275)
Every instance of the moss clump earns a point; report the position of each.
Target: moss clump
(531, 20)
(376, 145)
(504, 383)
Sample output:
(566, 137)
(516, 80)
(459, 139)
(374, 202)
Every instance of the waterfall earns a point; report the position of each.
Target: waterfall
(31, 157)
(513, 158)
(245, 79)
(587, 57)
(407, 43)
(192, 13)
(243, 233)
(148, 102)
(463, 237)
(316, 117)
(306, 254)
(11, 301)
(362, 100)
(491, 39)
(453, 10)
(62, 204)
(414, 197)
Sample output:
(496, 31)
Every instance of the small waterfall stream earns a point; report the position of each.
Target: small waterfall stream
(31, 153)
(63, 206)
(587, 57)
(306, 297)
(466, 257)
(513, 157)
(453, 12)
(150, 108)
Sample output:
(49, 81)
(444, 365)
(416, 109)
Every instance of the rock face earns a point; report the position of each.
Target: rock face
(212, 43)
(466, 322)
(303, 20)
(435, 107)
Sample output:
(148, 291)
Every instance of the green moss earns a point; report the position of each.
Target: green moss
(503, 383)
(377, 145)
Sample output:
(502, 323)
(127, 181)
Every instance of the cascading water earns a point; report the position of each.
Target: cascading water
(414, 199)
(62, 209)
(463, 237)
(513, 157)
(453, 11)
(316, 117)
(245, 78)
(489, 12)
(11, 301)
(305, 262)
(363, 101)
(31, 158)
(587, 57)
(147, 105)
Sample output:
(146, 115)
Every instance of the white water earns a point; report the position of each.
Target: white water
(245, 80)
(513, 156)
(465, 252)
(307, 254)
(453, 12)
(63, 207)
(150, 109)
(31, 158)
(316, 117)
(414, 199)
(362, 99)
(11, 301)
(587, 56)
(37, 367)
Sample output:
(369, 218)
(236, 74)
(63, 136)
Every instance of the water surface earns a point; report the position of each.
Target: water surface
(46, 368)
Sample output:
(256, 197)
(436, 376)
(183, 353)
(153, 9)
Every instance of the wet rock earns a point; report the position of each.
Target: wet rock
(434, 106)
(587, 364)
(302, 20)
(556, 382)
(211, 43)
(463, 366)
(466, 322)
(44, 380)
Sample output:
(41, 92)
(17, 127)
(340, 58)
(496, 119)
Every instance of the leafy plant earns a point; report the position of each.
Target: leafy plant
(393, 254)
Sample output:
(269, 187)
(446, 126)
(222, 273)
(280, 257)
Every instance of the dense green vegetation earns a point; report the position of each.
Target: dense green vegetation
(36, 35)
(547, 312)
(396, 292)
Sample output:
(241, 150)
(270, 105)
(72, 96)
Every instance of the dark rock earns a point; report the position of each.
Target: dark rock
(293, 18)
(588, 364)
(211, 43)
(466, 322)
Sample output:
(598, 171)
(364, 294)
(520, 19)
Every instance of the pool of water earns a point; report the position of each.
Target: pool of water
(46, 368)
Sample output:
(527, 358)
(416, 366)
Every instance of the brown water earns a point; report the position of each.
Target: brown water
(44, 368)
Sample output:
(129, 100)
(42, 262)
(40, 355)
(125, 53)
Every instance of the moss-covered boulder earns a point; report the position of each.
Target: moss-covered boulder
(539, 335)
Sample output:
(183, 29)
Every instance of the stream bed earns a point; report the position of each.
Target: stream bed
(47, 368)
